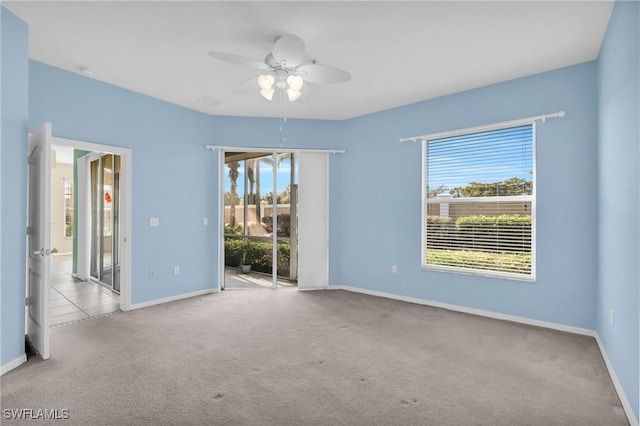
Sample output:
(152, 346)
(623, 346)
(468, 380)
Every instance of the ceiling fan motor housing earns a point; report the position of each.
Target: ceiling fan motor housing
(288, 51)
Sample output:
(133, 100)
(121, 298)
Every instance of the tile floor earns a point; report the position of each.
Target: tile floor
(71, 299)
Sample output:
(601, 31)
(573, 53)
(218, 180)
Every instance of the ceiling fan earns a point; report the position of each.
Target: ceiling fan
(286, 69)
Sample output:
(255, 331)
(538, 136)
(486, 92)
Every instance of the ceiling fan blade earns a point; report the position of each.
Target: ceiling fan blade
(289, 50)
(239, 60)
(322, 74)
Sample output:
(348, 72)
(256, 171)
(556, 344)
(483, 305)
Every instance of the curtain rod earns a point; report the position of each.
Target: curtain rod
(486, 127)
(271, 150)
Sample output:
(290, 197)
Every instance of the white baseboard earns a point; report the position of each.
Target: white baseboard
(172, 298)
(13, 364)
(617, 385)
(466, 310)
(554, 326)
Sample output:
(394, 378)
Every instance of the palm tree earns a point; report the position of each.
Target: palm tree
(233, 175)
(279, 158)
(257, 195)
(249, 165)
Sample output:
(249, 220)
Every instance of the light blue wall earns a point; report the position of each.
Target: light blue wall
(13, 154)
(375, 207)
(174, 177)
(170, 171)
(619, 221)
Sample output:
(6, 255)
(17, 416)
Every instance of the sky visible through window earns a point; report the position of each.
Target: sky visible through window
(486, 157)
(266, 177)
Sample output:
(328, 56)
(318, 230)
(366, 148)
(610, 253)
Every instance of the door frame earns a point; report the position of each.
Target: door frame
(84, 214)
(274, 215)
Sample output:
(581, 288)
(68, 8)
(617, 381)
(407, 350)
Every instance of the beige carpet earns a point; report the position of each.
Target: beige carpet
(284, 357)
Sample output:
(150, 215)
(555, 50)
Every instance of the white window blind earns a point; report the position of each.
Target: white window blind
(479, 203)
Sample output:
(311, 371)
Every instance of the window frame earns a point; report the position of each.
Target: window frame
(424, 204)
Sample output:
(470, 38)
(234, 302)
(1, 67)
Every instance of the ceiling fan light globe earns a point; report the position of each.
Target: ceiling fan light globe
(267, 93)
(265, 81)
(293, 94)
(295, 82)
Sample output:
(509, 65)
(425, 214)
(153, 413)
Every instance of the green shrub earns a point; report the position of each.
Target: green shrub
(502, 262)
(440, 231)
(258, 255)
(502, 221)
(510, 233)
(495, 233)
(439, 220)
(232, 229)
(232, 251)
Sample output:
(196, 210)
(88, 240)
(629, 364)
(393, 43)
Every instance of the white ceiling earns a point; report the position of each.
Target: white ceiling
(397, 52)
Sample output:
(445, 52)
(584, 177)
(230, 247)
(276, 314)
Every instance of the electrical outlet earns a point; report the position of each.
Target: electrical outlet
(394, 269)
(611, 318)
(152, 273)
(176, 270)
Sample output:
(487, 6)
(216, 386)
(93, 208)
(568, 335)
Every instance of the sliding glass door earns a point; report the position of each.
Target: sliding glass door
(260, 220)
(105, 205)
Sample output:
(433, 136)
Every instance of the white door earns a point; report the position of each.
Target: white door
(38, 239)
(313, 220)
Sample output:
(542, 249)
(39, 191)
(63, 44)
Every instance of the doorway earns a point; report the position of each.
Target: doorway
(38, 262)
(101, 255)
(260, 220)
(70, 298)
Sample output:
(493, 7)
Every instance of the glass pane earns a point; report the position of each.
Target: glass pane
(116, 222)
(95, 208)
(287, 208)
(479, 201)
(107, 218)
(262, 235)
(234, 240)
(68, 208)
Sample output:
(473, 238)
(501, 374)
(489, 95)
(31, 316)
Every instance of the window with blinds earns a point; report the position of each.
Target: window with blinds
(479, 203)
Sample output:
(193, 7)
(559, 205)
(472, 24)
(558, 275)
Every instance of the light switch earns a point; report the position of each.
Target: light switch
(205, 221)
(154, 221)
